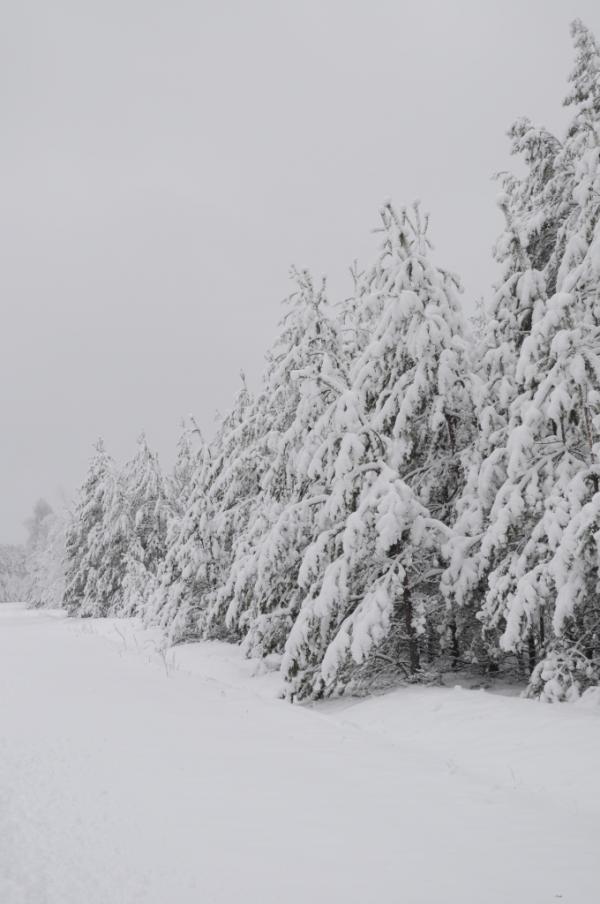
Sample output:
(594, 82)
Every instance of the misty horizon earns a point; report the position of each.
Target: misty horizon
(164, 167)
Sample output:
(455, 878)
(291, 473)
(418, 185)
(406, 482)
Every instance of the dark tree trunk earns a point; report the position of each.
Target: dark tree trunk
(413, 641)
(431, 643)
(531, 652)
(455, 647)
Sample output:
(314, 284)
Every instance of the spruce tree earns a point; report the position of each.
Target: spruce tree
(148, 502)
(179, 482)
(45, 557)
(486, 459)
(12, 573)
(390, 468)
(191, 596)
(97, 541)
(533, 487)
(296, 389)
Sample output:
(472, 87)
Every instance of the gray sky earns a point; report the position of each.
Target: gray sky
(163, 163)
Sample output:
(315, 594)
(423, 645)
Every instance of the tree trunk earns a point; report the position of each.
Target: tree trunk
(413, 641)
(531, 652)
(431, 643)
(455, 646)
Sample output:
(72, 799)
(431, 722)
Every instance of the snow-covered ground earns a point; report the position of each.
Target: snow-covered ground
(128, 774)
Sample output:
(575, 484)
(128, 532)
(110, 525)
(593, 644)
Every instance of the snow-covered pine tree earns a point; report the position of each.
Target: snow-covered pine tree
(12, 573)
(567, 345)
(97, 541)
(38, 527)
(551, 476)
(149, 510)
(545, 464)
(537, 203)
(87, 518)
(297, 387)
(161, 596)
(186, 577)
(147, 498)
(45, 557)
(537, 207)
(390, 467)
(557, 569)
(584, 79)
(238, 464)
(188, 599)
(179, 482)
(485, 460)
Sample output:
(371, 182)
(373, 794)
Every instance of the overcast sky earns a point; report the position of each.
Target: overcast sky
(163, 163)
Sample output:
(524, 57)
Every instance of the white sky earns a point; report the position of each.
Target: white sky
(163, 163)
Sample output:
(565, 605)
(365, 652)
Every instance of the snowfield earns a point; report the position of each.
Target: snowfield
(130, 774)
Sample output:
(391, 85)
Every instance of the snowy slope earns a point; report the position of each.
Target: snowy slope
(131, 776)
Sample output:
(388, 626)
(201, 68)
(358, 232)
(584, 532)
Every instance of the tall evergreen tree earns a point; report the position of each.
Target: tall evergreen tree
(189, 598)
(149, 510)
(148, 503)
(179, 482)
(529, 485)
(392, 468)
(45, 557)
(97, 542)
(12, 573)
(296, 389)
(486, 460)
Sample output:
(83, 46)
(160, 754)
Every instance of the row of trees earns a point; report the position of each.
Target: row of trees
(404, 493)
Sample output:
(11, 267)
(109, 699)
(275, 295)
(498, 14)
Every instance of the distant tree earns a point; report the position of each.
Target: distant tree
(12, 573)
(45, 557)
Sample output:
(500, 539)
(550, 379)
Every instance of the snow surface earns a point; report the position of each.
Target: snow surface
(134, 775)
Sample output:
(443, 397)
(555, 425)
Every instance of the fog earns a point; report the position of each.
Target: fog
(163, 164)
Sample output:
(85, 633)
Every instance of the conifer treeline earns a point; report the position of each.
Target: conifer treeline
(403, 494)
